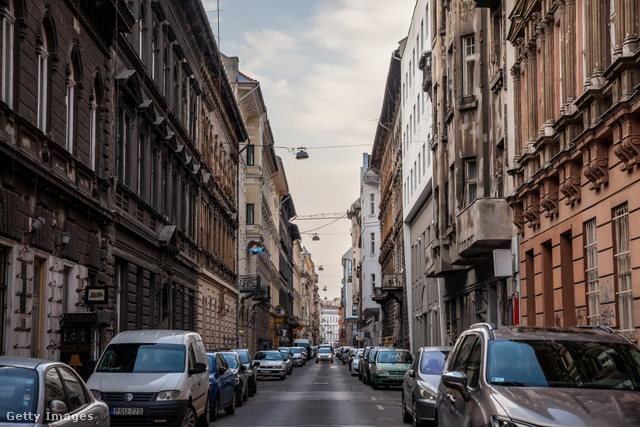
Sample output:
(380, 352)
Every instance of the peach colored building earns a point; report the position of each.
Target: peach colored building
(577, 198)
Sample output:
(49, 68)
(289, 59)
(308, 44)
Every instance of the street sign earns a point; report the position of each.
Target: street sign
(249, 284)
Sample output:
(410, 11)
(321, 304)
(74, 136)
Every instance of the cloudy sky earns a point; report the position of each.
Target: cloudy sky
(322, 66)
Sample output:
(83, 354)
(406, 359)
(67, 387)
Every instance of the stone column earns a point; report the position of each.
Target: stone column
(588, 40)
(517, 104)
(532, 92)
(548, 75)
(599, 38)
(570, 68)
(629, 20)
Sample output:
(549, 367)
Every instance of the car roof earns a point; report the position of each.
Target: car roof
(440, 348)
(163, 336)
(25, 362)
(576, 333)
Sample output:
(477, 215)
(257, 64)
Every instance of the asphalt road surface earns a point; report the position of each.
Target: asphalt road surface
(322, 394)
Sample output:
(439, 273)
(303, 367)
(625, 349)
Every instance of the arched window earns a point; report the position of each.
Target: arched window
(71, 100)
(96, 100)
(8, 21)
(44, 76)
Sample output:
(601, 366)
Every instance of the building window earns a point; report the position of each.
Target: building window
(471, 181)
(623, 267)
(155, 52)
(71, 102)
(123, 147)
(142, 28)
(612, 28)
(251, 155)
(373, 280)
(591, 270)
(3, 295)
(372, 200)
(469, 65)
(8, 21)
(43, 80)
(250, 214)
(373, 243)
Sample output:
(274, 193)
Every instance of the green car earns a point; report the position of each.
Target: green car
(389, 367)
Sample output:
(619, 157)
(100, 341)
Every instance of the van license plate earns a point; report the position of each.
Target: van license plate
(396, 378)
(127, 411)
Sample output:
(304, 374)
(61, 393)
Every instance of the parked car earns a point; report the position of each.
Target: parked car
(356, 361)
(389, 367)
(242, 376)
(298, 360)
(270, 364)
(48, 393)
(324, 355)
(368, 362)
(151, 375)
(252, 369)
(222, 382)
(420, 385)
(288, 358)
(345, 355)
(361, 365)
(506, 376)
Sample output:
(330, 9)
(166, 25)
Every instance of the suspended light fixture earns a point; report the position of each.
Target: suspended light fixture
(320, 268)
(315, 238)
(301, 154)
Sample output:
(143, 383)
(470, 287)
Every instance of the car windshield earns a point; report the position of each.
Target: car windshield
(394, 356)
(565, 364)
(295, 350)
(231, 360)
(285, 353)
(432, 362)
(143, 358)
(269, 356)
(18, 393)
(324, 351)
(244, 355)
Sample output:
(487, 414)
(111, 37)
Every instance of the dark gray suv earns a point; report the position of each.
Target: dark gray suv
(528, 377)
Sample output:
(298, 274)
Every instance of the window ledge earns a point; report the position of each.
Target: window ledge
(467, 102)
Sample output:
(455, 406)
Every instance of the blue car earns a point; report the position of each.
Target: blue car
(222, 381)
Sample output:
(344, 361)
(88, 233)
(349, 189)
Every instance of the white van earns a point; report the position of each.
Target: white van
(304, 343)
(154, 376)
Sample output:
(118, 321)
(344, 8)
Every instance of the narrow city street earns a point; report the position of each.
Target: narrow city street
(317, 395)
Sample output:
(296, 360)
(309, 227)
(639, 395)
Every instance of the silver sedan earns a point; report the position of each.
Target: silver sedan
(43, 392)
(420, 385)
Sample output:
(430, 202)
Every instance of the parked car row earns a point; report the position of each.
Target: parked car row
(525, 376)
(146, 377)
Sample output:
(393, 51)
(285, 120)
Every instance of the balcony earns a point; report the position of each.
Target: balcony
(483, 226)
(438, 259)
(391, 281)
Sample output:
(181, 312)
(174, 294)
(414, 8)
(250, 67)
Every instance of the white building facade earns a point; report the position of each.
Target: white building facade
(330, 325)
(371, 272)
(424, 295)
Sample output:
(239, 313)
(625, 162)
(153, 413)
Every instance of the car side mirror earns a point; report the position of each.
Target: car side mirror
(243, 368)
(222, 370)
(256, 363)
(412, 373)
(457, 381)
(58, 407)
(198, 368)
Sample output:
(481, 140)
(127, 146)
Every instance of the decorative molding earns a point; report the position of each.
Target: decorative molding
(532, 209)
(626, 139)
(549, 197)
(518, 217)
(595, 164)
(570, 183)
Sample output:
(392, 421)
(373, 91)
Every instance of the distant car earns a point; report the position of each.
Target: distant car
(247, 360)
(528, 376)
(51, 391)
(361, 367)
(324, 355)
(420, 385)
(298, 360)
(242, 376)
(222, 380)
(356, 361)
(288, 356)
(271, 364)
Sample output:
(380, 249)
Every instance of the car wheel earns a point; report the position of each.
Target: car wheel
(283, 377)
(238, 395)
(406, 416)
(373, 384)
(316, 361)
(252, 388)
(203, 421)
(216, 407)
(416, 421)
(231, 409)
(189, 419)
(246, 395)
